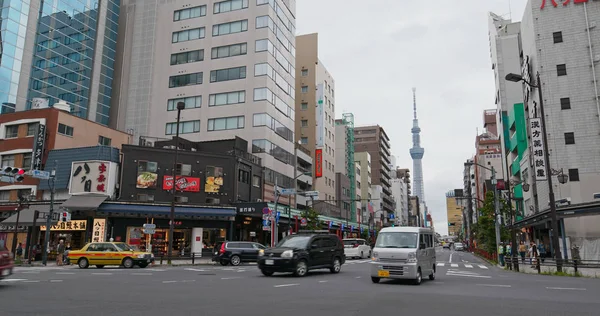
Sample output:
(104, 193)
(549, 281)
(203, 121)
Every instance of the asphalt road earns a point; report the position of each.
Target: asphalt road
(464, 286)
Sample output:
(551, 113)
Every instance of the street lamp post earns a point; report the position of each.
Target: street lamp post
(180, 106)
(553, 216)
(49, 217)
(513, 217)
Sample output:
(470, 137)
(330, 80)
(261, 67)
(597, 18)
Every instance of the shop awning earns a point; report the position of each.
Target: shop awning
(85, 202)
(26, 216)
(165, 210)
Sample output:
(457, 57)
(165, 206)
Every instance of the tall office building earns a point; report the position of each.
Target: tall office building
(59, 50)
(232, 63)
(315, 117)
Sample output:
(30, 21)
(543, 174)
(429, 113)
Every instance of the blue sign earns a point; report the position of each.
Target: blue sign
(392, 216)
(330, 224)
(277, 217)
(266, 210)
(343, 226)
(351, 228)
(266, 223)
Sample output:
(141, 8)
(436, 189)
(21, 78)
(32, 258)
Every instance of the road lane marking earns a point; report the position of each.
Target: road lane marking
(231, 278)
(468, 266)
(323, 281)
(357, 277)
(65, 273)
(566, 288)
(286, 285)
(188, 281)
(192, 269)
(55, 281)
(31, 272)
(482, 266)
(169, 281)
(141, 273)
(31, 281)
(228, 269)
(440, 264)
(468, 275)
(454, 265)
(157, 270)
(101, 273)
(451, 257)
(495, 285)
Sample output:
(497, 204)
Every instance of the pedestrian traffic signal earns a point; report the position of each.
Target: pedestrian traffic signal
(17, 174)
(65, 217)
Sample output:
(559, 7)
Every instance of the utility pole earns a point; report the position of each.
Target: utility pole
(497, 214)
(295, 188)
(180, 106)
(16, 232)
(470, 210)
(274, 230)
(46, 246)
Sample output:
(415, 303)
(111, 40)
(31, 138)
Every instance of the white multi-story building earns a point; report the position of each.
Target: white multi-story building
(363, 159)
(232, 63)
(399, 192)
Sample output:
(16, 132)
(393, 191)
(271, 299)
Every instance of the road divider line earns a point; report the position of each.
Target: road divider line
(468, 266)
(482, 266)
(101, 273)
(65, 273)
(55, 281)
(169, 281)
(323, 281)
(286, 285)
(468, 275)
(566, 288)
(13, 280)
(357, 277)
(451, 257)
(192, 269)
(141, 274)
(495, 285)
(31, 272)
(31, 281)
(231, 278)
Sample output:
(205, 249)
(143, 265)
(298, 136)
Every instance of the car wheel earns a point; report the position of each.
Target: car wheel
(235, 260)
(267, 273)
(83, 263)
(337, 265)
(301, 268)
(375, 280)
(128, 263)
(99, 266)
(432, 275)
(419, 277)
(223, 262)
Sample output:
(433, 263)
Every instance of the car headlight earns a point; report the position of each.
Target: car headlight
(412, 257)
(261, 252)
(375, 256)
(287, 254)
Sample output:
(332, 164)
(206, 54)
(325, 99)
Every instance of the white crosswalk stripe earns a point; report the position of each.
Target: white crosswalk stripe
(468, 266)
(459, 265)
(482, 266)
(440, 264)
(454, 265)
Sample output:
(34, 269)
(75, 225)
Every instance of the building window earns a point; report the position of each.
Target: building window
(561, 70)
(304, 105)
(27, 160)
(304, 72)
(570, 138)
(565, 103)
(8, 160)
(184, 127)
(187, 57)
(304, 140)
(304, 89)
(573, 175)
(228, 74)
(265, 146)
(231, 5)
(65, 130)
(244, 176)
(227, 98)
(226, 123)
(104, 141)
(230, 28)
(229, 50)
(183, 170)
(189, 13)
(4, 195)
(263, 45)
(304, 123)
(12, 131)
(32, 129)
(557, 37)
(264, 119)
(256, 181)
(185, 80)
(188, 35)
(190, 103)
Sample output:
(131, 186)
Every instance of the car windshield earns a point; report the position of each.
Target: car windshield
(124, 247)
(294, 242)
(396, 240)
(350, 242)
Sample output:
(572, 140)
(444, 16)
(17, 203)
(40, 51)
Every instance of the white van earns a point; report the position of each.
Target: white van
(404, 253)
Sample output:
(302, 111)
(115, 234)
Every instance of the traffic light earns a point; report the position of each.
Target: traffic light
(65, 217)
(17, 174)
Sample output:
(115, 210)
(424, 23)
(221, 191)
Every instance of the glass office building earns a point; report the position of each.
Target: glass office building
(73, 55)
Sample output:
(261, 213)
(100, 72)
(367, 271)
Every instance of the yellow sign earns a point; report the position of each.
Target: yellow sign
(72, 225)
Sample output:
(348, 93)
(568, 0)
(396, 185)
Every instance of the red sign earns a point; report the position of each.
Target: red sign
(185, 184)
(319, 163)
(565, 2)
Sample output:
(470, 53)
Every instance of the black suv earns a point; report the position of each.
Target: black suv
(236, 252)
(300, 253)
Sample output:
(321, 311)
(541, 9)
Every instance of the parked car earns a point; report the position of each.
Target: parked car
(459, 247)
(356, 248)
(302, 252)
(103, 254)
(6, 263)
(236, 252)
(446, 245)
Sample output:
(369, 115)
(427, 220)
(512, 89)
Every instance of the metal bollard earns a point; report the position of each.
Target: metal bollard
(193, 257)
(161, 260)
(537, 264)
(575, 265)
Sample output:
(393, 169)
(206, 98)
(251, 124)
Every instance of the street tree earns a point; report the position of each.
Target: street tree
(485, 228)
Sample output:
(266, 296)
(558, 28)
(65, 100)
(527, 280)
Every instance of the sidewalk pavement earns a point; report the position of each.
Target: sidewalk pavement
(548, 267)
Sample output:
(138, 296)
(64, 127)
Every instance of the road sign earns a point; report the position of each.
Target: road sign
(266, 210)
(266, 225)
(303, 222)
(149, 226)
(311, 193)
(277, 217)
(40, 174)
(287, 191)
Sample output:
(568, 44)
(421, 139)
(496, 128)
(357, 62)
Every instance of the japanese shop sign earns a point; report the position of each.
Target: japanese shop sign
(526, 74)
(92, 177)
(38, 147)
(72, 225)
(185, 184)
(99, 230)
(564, 2)
(538, 149)
(319, 163)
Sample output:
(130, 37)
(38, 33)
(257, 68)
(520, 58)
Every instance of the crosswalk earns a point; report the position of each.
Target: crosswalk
(458, 265)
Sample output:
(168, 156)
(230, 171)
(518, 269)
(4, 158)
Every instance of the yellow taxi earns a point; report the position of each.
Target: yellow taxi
(103, 254)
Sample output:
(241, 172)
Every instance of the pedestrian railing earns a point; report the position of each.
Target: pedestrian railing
(537, 263)
(193, 257)
(487, 255)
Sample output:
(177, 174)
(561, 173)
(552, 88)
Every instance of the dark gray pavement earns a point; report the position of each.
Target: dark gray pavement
(462, 288)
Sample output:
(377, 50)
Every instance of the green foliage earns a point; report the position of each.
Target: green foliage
(484, 230)
(313, 220)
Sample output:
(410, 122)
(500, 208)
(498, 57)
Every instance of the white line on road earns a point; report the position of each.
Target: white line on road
(13, 280)
(286, 285)
(228, 269)
(65, 273)
(31, 281)
(55, 281)
(241, 270)
(101, 273)
(482, 266)
(192, 269)
(468, 275)
(495, 285)
(141, 274)
(468, 266)
(169, 281)
(451, 257)
(323, 281)
(567, 288)
(231, 278)
(31, 272)
(440, 264)
(188, 281)
(156, 270)
(454, 265)
(357, 277)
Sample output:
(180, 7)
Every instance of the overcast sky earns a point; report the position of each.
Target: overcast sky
(378, 52)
